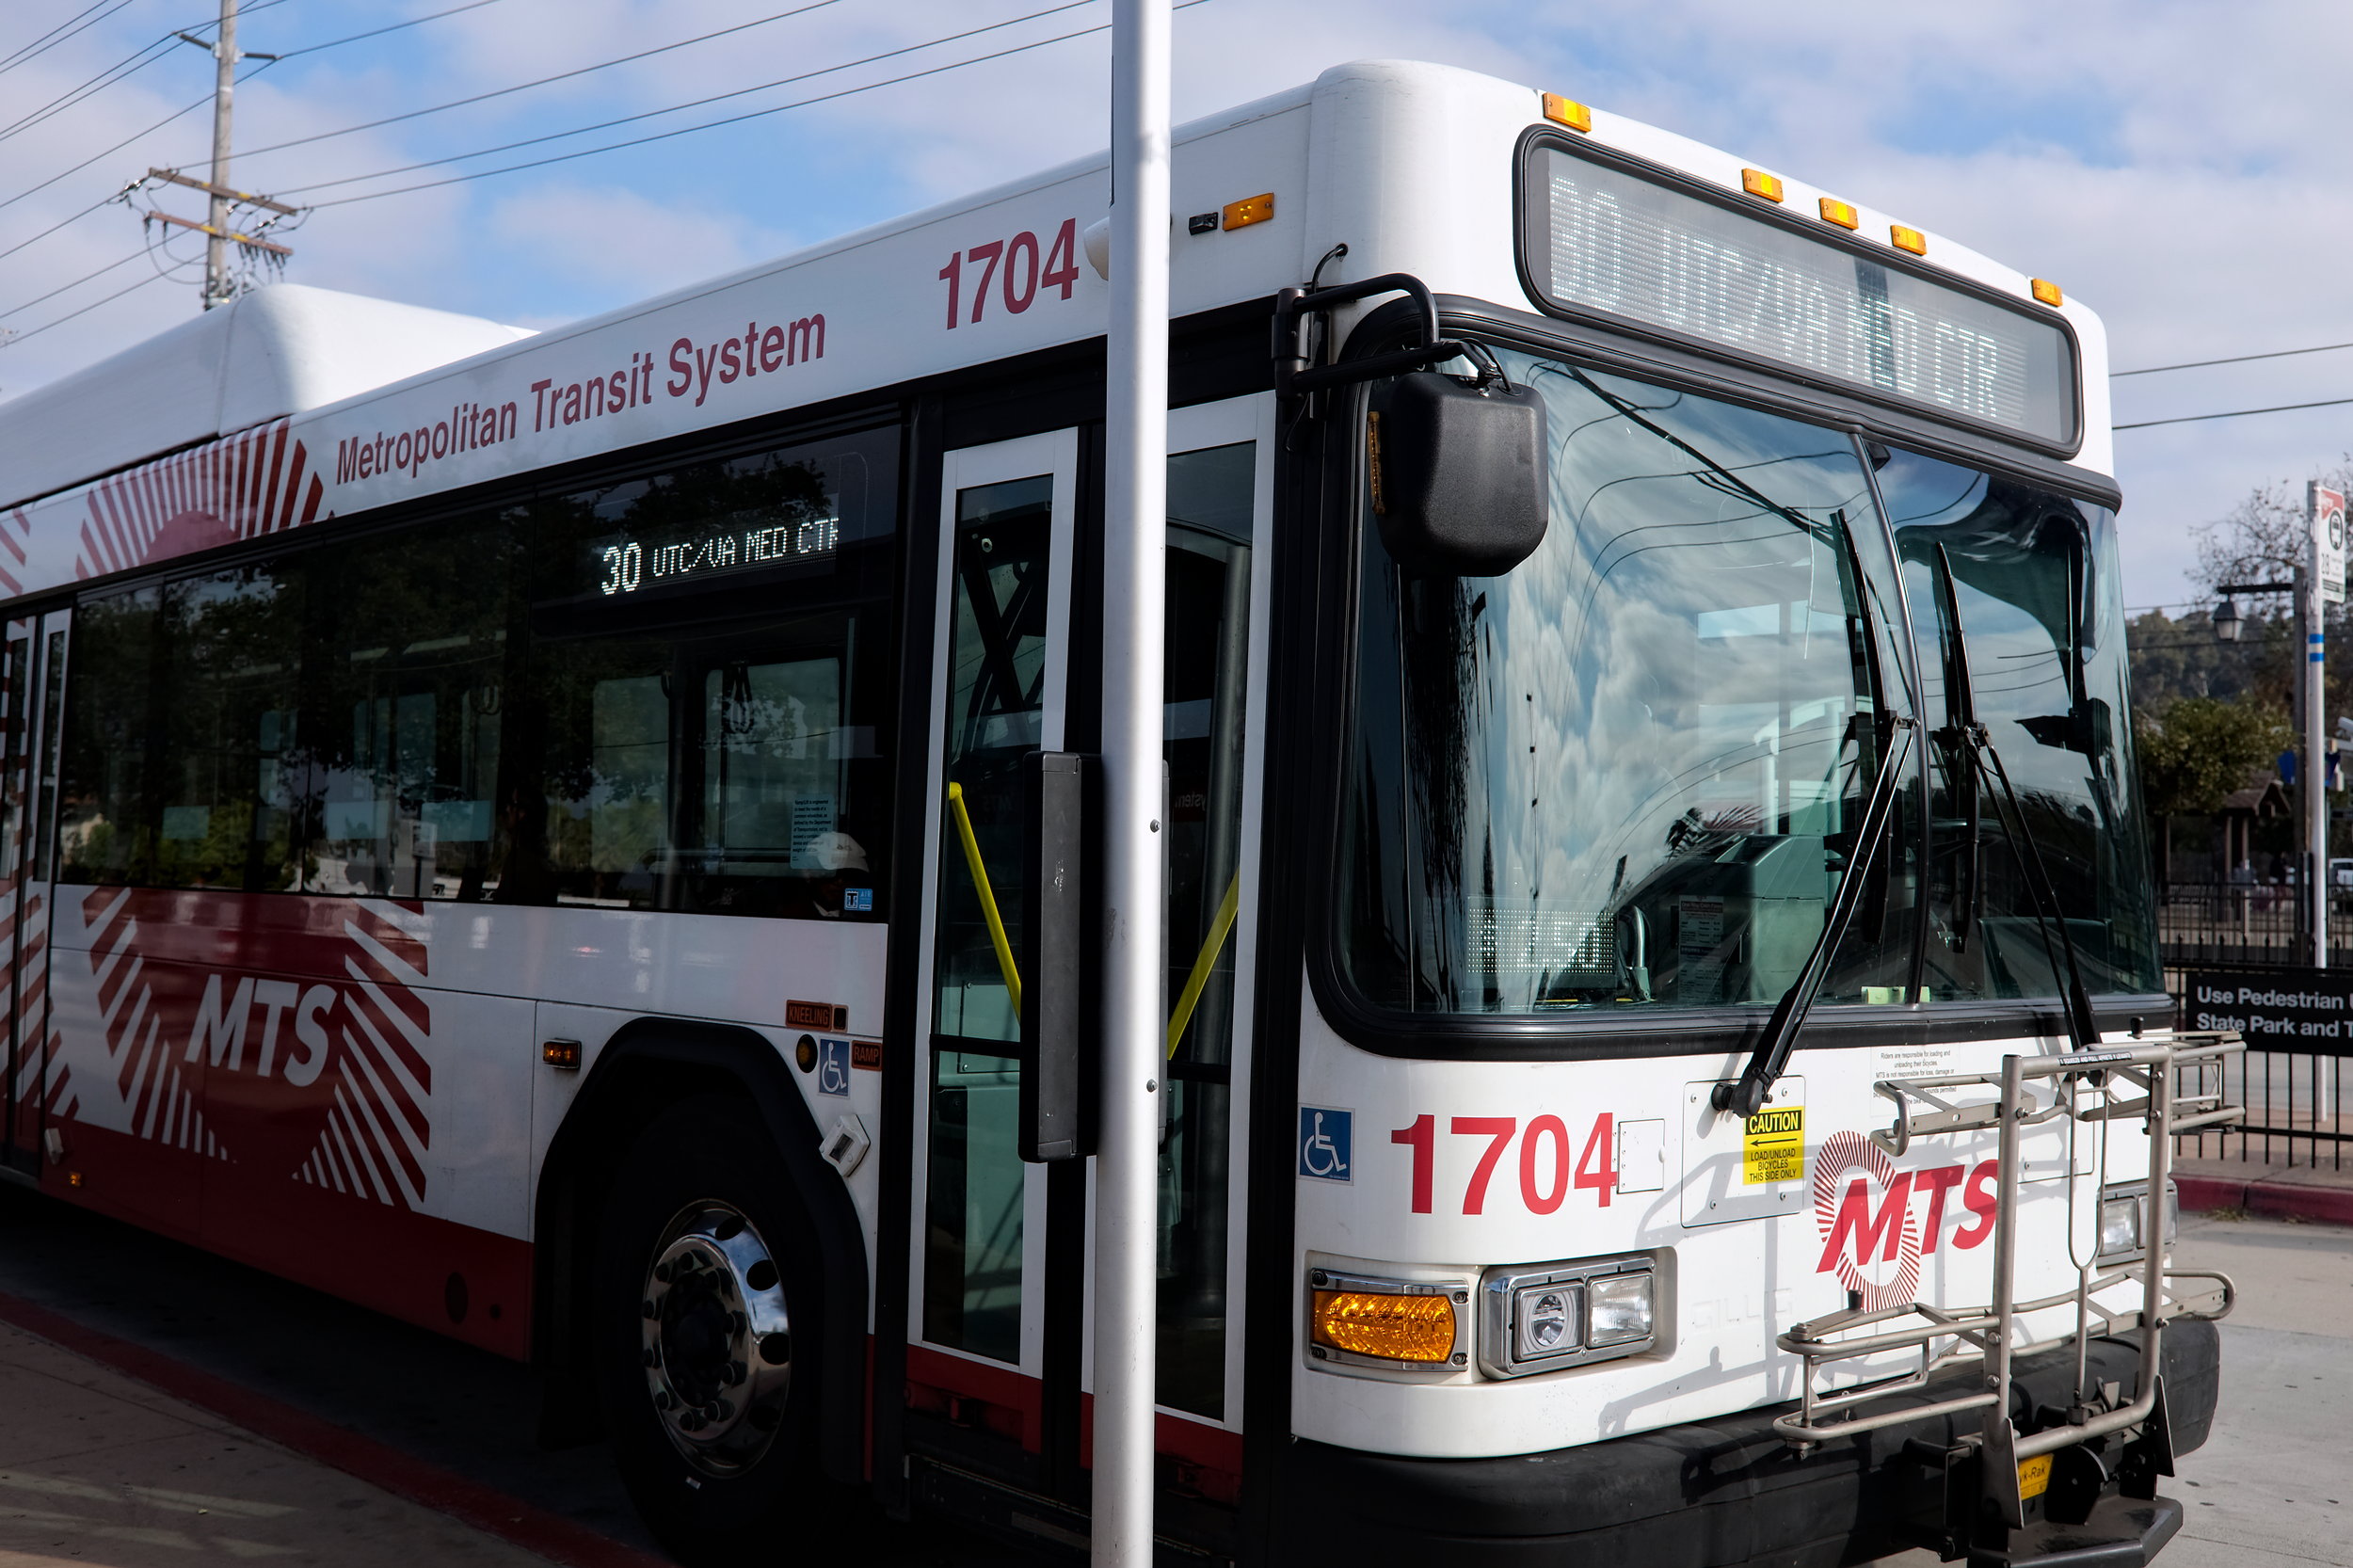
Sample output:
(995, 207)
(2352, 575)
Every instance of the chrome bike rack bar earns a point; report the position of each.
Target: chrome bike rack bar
(1942, 1107)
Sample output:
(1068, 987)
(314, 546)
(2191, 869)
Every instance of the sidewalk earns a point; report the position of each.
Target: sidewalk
(97, 1469)
(2280, 1191)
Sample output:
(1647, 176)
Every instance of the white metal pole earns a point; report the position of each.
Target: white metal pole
(1135, 528)
(2317, 765)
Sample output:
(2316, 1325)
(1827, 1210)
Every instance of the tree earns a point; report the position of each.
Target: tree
(2196, 752)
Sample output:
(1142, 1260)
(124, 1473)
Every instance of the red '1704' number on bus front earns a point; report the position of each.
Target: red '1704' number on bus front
(1545, 1177)
(1015, 268)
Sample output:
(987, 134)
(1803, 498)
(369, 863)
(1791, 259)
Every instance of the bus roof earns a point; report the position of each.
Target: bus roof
(280, 350)
(313, 404)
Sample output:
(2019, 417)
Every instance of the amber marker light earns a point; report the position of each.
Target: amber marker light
(1760, 184)
(1375, 1323)
(2047, 292)
(1908, 239)
(563, 1055)
(1568, 112)
(1840, 212)
(1250, 210)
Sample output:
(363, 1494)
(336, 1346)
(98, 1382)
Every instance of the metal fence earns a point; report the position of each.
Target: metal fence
(2295, 1107)
(2294, 1099)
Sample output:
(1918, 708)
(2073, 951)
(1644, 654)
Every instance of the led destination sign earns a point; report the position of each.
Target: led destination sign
(1604, 240)
(623, 565)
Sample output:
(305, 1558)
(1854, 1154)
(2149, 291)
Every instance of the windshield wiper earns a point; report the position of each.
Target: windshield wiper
(1985, 767)
(1746, 1095)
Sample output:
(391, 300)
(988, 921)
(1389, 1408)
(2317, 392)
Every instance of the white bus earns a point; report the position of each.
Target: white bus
(542, 835)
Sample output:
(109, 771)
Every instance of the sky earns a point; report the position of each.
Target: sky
(2175, 166)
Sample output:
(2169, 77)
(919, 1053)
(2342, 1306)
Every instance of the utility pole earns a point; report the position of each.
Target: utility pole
(1135, 537)
(221, 283)
(218, 290)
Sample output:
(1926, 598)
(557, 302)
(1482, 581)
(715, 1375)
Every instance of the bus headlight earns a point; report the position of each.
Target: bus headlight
(2125, 1219)
(1539, 1317)
(1389, 1323)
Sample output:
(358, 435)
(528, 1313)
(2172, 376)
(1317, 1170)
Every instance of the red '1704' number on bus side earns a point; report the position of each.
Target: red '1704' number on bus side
(1546, 1178)
(1016, 269)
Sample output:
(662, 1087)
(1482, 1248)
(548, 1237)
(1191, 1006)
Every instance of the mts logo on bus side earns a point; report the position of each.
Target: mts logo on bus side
(224, 1019)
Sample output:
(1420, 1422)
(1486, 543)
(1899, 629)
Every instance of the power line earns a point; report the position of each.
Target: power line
(2233, 360)
(22, 337)
(2193, 419)
(121, 69)
(62, 26)
(53, 37)
(75, 285)
(55, 227)
(373, 32)
(691, 103)
(731, 120)
(191, 108)
(523, 87)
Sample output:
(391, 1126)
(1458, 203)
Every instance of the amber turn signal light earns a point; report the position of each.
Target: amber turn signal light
(1568, 112)
(563, 1055)
(1250, 210)
(1392, 1327)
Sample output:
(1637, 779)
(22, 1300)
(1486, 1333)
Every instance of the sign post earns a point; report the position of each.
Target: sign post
(1135, 534)
(2324, 587)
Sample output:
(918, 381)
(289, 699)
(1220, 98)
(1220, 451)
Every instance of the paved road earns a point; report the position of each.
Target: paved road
(2273, 1488)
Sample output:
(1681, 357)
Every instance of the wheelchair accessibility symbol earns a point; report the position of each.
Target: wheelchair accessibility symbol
(833, 1066)
(1324, 1136)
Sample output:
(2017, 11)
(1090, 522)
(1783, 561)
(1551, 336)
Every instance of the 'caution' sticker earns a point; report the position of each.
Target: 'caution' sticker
(1772, 1146)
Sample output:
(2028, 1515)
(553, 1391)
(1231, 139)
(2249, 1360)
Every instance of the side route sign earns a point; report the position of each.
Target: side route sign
(2299, 1010)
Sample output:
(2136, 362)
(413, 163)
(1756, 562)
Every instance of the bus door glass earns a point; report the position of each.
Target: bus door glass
(1003, 617)
(1217, 495)
(32, 687)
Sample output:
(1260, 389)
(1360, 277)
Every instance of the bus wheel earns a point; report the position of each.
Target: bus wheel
(701, 1296)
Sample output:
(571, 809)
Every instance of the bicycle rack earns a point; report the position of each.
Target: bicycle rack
(1938, 1107)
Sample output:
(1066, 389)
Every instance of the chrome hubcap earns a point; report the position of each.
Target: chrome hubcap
(717, 1340)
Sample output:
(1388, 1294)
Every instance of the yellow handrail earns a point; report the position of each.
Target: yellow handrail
(1212, 945)
(988, 899)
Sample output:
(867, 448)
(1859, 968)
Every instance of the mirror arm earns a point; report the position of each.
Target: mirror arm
(1294, 375)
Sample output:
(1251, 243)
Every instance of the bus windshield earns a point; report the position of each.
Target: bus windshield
(1629, 773)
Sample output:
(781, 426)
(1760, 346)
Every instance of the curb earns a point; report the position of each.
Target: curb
(2275, 1200)
(493, 1513)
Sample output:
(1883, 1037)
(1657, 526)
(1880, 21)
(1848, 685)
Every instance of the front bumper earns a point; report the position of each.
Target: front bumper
(1715, 1493)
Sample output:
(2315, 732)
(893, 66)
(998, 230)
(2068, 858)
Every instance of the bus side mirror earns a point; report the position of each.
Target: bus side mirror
(1060, 958)
(1457, 473)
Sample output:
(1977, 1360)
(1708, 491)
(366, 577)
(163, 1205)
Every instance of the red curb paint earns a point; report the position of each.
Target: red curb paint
(2204, 1193)
(2281, 1200)
(534, 1530)
(2274, 1200)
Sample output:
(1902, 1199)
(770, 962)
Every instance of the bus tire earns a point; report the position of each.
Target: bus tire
(703, 1296)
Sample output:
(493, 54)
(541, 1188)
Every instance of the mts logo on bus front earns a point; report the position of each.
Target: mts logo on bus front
(1877, 1222)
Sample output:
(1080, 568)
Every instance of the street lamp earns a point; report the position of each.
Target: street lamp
(2229, 625)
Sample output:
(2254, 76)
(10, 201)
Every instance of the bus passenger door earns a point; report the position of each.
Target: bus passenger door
(32, 692)
(976, 1358)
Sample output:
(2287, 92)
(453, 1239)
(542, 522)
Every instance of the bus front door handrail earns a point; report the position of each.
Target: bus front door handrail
(1212, 946)
(972, 861)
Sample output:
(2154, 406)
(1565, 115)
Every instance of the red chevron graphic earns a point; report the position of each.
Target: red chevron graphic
(241, 486)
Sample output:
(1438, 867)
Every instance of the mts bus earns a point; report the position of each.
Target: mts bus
(541, 835)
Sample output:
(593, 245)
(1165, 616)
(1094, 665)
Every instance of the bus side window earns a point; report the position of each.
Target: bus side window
(709, 679)
(184, 723)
